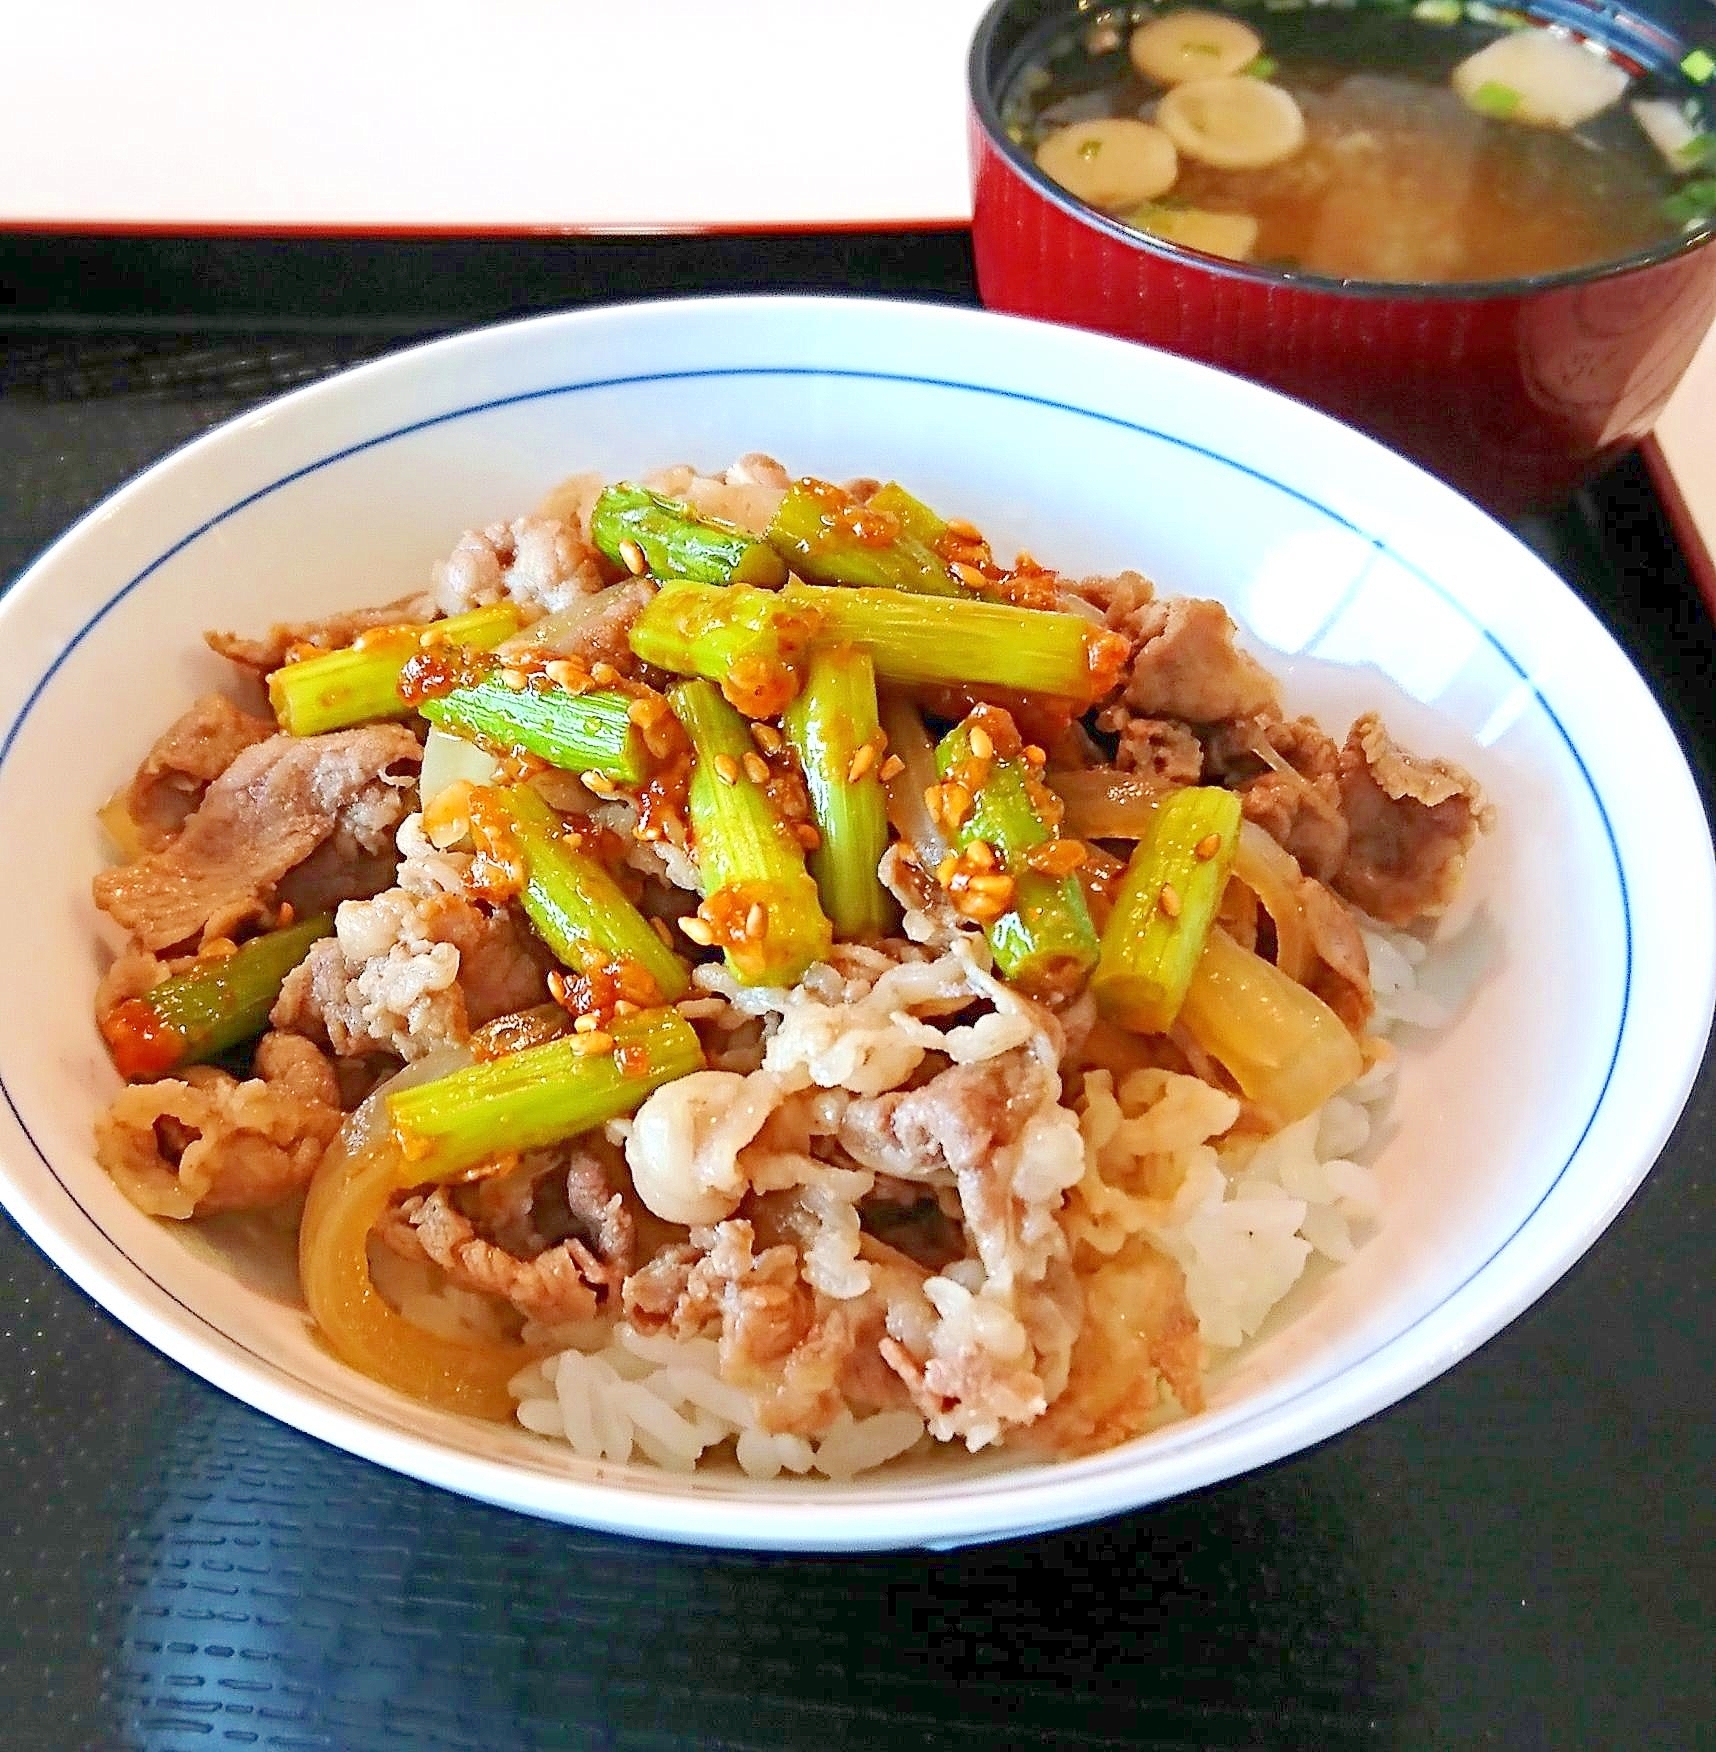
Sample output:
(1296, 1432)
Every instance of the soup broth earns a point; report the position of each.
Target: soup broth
(1396, 176)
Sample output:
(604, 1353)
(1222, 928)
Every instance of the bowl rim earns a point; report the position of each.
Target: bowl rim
(1003, 1506)
(983, 97)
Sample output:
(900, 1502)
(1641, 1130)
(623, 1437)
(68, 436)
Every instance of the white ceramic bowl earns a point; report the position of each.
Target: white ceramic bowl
(1583, 972)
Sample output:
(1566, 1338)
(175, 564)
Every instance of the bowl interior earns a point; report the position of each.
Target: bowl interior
(1518, 1129)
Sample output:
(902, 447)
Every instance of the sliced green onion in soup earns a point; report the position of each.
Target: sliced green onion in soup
(1495, 100)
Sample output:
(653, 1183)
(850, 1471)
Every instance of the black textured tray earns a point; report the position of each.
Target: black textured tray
(1520, 1555)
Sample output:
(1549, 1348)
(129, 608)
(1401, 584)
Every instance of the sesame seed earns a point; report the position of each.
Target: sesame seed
(597, 1045)
(982, 743)
(1169, 901)
(697, 930)
(863, 758)
(288, 912)
(964, 529)
(767, 738)
(892, 767)
(1207, 847)
(999, 887)
(662, 930)
(1035, 755)
(969, 575)
(807, 836)
(726, 769)
(557, 986)
(600, 783)
(756, 920)
(955, 802)
(947, 869)
(585, 1024)
(625, 1007)
(633, 555)
(513, 679)
(605, 673)
(756, 768)
(982, 854)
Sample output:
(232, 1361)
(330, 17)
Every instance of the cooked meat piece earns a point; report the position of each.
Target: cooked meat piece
(1412, 822)
(748, 494)
(203, 1142)
(197, 748)
(550, 1288)
(926, 914)
(657, 1296)
(602, 635)
(551, 1237)
(538, 562)
(1341, 977)
(134, 972)
(265, 655)
(787, 1346)
(1187, 666)
(1158, 749)
(407, 972)
(276, 803)
(1121, 601)
(1288, 773)
(1139, 1334)
(952, 1124)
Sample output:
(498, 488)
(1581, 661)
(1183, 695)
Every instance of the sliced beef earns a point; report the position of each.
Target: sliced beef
(539, 563)
(1121, 601)
(263, 656)
(1411, 822)
(271, 808)
(187, 1146)
(1287, 771)
(1341, 976)
(187, 758)
(600, 635)
(405, 973)
(951, 1125)
(1187, 666)
(1161, 750)
(552, 1237)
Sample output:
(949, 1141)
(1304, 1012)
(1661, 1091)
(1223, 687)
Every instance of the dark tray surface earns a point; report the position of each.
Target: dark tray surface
(1520, 1555)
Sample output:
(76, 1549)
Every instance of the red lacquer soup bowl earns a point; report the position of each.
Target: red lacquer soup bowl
(1515, 391)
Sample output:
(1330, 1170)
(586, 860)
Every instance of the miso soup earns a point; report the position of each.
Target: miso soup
(1368, 142)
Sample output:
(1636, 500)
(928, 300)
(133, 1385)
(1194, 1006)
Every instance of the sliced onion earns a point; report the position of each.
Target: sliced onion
(907, 810)
(115, 816)
(549, 633)
(1104, 802)
(1273, 875)
(449, 760)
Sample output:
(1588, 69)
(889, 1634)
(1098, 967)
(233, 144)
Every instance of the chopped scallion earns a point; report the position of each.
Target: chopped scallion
(1495, 99)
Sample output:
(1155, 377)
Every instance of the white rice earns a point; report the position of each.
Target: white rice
(621, 1395)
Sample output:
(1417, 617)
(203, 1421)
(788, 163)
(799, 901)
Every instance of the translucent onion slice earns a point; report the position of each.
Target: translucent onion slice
(1273, 875)
(903, 725)
(1234, 124)
(1104, 802)
(1113, 162)
(1191, 44)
